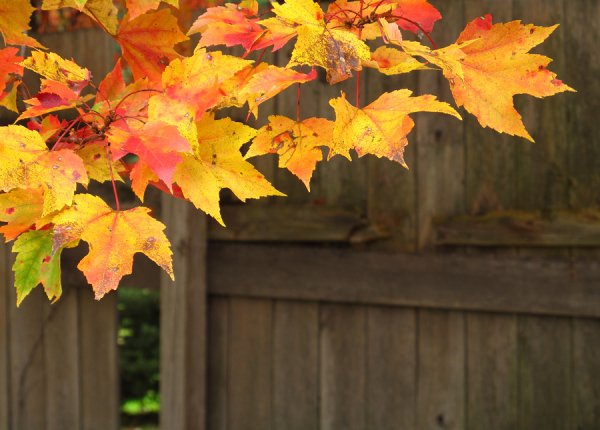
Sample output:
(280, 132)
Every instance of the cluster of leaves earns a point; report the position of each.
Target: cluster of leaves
(165, 116)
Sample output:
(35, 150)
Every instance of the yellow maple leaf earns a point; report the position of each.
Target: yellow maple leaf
(217, 164)
(391, 61)
(52, 66)
(298, 144)
(114, 237)
(381, 127)
(27, 163)
(336, 50)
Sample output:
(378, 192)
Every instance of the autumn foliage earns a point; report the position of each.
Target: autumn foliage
(163, 127)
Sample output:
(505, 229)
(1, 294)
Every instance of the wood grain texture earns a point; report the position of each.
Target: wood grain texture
(581, 44)
(391, 368)
(61, 360)
(492, 371)
(250, 364)
(545, 373)
(218, 364)
(296, 365)
(586, 374)
(533, 286)
(561, 229)
(343, 363)
(99, 361)
(183, 320)
(441, 371)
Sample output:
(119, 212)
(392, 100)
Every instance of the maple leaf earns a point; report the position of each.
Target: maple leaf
(53, 96)
(298, 144)
(11, 73)
(114, 237)
(496, 66)
(390, 61)
(148, 43)
(336, 50)
(14, 23)
(55, 68)
(27, 163)
(191, 87)
(136, 8)
(381, 127)
(20, 209)
(36, 264)
(157, 144)
(217, 164)
(228, 25)
(104, 12)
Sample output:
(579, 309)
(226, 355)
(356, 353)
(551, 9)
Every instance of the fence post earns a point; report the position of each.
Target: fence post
(183, 320)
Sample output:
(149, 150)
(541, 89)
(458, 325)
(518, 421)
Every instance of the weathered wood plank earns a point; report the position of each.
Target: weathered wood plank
(492, 377)
(343, 361)
(218, 363)
(183, 320)
(296, 366)
(441, 370)
(99, 361)
(545, 373)
(542, 169)
(586, 374)
(391, 368)
(5, 304)
(292, 223)
(449, 281)
(581, 44)
(250, 364)
(440, 147)
(61, 357)
(521, 228)
(490, 182)
(28, 373)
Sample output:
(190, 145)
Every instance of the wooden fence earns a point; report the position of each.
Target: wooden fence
(462, 294)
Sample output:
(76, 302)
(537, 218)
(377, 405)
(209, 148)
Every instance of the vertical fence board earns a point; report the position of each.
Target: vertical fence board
(586, 377)
(542, 168)
(250, 364)
(492, 378)
(391, 368)
(441, 370)
(99, 361)
(343, 364)
(544, 373)
(440, 141)
(28, 385)
(218, 329)
(296, 366)
(61, 347)
(5, 305)
(581, 44)
(183, 320)
(490, 156)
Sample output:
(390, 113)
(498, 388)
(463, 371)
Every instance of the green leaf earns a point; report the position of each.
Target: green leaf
(36, 264)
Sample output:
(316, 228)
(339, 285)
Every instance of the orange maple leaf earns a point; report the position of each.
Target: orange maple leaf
(496, 66)
(14, 22)
(298, 144)
(114, 237)
(148, 43)
(11, 73)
